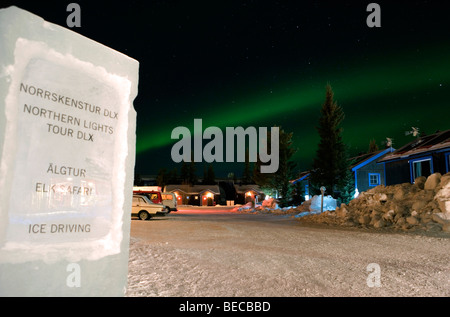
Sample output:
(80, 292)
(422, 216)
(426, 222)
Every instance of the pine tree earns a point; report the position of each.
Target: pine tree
(173, 177)
(209, 177)
(184, 173)
(278, 182)
(192, 173)
(331, 165)
(282, 177)
(161, 179)
(347, 189)
(373, 147)
(263, 180)
(298, 194)
(246, 175)
(188, 171)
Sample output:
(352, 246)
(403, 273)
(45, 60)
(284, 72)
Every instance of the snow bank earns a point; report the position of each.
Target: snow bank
(312, 206)
(424, 205)
(329, 203)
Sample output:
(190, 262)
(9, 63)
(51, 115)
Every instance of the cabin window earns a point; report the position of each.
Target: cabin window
(421, 167)
(374, 179)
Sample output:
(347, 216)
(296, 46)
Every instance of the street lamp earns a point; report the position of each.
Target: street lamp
(322, 190)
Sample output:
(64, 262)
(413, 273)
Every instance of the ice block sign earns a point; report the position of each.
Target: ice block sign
(67, 144)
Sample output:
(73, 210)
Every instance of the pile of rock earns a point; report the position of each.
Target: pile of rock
(424, 205)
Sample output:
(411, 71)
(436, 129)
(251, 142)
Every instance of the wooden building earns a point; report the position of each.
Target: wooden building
(197, 195)
(367, 172)
(247, 193)
(422, 157)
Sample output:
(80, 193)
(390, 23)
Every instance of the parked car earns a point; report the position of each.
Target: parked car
(170, 201)
(144, 209)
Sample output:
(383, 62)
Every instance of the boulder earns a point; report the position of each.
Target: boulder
(401, 191)
(389, 216)
(420, 182)
(433, 226)
(364, 219)
(380, 197)
(422, 206)
(442, 218)
(426, 218)
(432, 181)
(400, 209)
(379, 223)
(412, 220)
(443, 195)
(342, 211)
(446, 227)
(419, 205)
(400, 221)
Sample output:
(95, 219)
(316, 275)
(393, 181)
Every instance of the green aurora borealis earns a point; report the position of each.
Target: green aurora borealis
(266, 63)
(373, 98)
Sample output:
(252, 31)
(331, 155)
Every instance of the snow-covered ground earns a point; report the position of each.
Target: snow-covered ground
(221, 253)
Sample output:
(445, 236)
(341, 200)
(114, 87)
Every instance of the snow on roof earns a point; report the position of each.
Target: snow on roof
(367, 158)
(193, 189)
(301, 176)
(246, 188)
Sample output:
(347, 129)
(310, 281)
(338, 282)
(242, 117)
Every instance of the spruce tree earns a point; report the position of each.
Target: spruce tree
(161, 179)
(173, 176)
(188, 172)
(246, 174)
(209, 177)
(331, 165)
(373, 147)
(184, 173)
(278, 182)
(282, 177)
(192, 173)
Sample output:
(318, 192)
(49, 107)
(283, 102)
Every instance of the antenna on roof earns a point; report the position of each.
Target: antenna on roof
(389, 142)
(415, 132)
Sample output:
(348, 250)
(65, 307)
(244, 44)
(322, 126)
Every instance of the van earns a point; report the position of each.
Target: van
(153, 193)
(169, 200)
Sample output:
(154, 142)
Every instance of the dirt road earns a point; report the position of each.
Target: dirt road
(216, 252)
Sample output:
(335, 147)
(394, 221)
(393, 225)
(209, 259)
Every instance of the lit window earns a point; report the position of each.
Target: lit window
(374, 179)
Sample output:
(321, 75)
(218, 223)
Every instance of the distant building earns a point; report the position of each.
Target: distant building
(303, 179)
(367, 172)
(247, 193)
(197, 195)
(422, 157)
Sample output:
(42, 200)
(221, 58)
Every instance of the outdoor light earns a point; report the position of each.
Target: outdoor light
(322, 190)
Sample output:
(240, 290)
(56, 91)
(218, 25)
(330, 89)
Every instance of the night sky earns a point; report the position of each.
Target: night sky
(266, 63)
